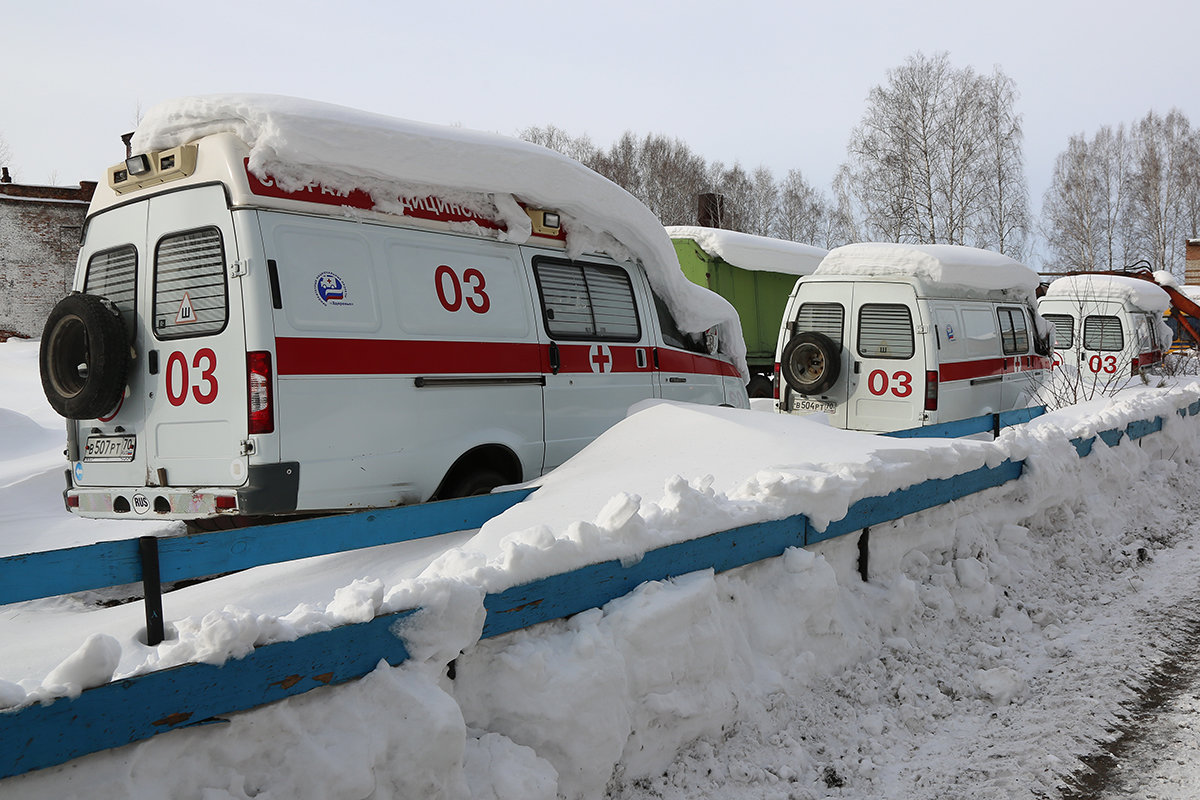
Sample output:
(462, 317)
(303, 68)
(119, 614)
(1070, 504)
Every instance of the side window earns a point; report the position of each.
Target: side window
(190, 298)
(587, 302)
(113, 274)
(885, 330)
(826, 318)
(1014, 333)
(1064, 329)
(980, 325)
(1102, 333)
(670, 330)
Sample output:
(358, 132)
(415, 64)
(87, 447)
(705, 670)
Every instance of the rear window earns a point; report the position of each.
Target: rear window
(1102, 333)
(113, 274)
(826, 318)
(885, 330)
(595, 302)
(190, 298)
(1014, 333)
(1064, 329)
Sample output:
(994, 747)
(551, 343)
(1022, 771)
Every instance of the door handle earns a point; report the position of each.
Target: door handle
(555, 361)
(674, 379)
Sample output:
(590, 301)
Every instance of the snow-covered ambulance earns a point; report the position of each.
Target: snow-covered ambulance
(884, 337)
(1108, 327)
(283, 306)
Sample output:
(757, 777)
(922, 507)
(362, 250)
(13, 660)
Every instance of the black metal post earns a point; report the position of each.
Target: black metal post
(864, 554)
(151, 589)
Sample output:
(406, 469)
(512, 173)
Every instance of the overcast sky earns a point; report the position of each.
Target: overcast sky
(778, 84)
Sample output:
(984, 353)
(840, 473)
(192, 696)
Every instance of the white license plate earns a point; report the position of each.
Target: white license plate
(110, 448)
(808, 406)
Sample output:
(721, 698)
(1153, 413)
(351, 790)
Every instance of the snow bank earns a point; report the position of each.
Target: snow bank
(1141, 294)
(302, 143)
(994, 641)
(749, 252)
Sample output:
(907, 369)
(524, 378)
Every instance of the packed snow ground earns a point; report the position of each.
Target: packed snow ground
(995, 642)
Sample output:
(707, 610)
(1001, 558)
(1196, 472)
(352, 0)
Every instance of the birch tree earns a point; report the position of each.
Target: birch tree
(937, 148)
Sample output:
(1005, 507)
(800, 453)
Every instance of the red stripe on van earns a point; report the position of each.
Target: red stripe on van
(392, 357)
(683, 361)
(315, 356)
(988, 367)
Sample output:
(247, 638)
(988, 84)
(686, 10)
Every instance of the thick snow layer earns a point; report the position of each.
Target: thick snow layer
(1141, 294)
(952, 265)
(993, 645)
(749, 252)
(303, 143)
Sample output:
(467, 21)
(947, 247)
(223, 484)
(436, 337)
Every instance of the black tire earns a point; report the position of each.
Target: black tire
(811, 363)
(480, 481)
(760, 386)
(84, 357)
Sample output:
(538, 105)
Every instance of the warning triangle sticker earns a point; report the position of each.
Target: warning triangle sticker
(186, 312)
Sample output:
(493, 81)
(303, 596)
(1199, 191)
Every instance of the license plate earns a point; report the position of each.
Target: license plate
(806, 405)
(110, 448)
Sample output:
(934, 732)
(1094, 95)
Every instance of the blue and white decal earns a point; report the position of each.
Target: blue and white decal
(331, 290)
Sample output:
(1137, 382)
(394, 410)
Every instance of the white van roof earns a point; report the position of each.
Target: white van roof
(939, 269)
(302, 143)
(1136, 292)
(750, 252)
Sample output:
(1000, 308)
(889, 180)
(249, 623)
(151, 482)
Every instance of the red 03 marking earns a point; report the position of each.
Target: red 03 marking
(878, 383)
(179, 380)
(1107, 364)
(450, 289)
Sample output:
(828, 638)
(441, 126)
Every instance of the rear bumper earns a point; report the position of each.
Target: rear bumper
(269, 489)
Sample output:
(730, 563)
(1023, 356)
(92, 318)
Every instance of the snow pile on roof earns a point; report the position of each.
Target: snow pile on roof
(1120, 288)
(966, 267)
(304, 143)
(750, 252)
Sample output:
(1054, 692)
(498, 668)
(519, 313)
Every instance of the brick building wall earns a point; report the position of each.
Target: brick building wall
(40, 227)
(1191, 264)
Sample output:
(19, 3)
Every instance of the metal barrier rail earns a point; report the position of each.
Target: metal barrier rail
(132, 709)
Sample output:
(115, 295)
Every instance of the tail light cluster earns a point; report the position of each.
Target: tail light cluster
(931, 390)
(778, 379)
(258, 379)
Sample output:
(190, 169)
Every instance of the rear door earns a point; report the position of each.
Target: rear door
(822, 307)
(887, 382)
(195, 369)
(114, 266)
(1102, 345)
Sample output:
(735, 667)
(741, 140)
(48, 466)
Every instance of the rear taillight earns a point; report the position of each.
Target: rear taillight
(258, 381)
(1137, 363)
(72, 501)
(931, 390)
(225, 503)
(778, 380)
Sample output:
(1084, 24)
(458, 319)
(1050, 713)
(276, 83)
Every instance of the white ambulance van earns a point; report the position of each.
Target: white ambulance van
(885, 337)
(1108, 327)
(279, 309)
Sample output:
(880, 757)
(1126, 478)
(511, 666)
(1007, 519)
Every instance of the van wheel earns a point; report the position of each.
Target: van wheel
(480, 481)
(810, 363)
(84, 358)
(760, 386)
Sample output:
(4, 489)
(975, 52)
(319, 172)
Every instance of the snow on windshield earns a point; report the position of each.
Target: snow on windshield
(304, 143)
(755, 253)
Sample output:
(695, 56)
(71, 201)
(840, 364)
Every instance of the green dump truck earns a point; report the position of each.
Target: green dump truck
(754, 273)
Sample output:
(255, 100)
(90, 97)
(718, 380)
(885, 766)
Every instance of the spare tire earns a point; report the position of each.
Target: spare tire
(811, 363)
(84, 358)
